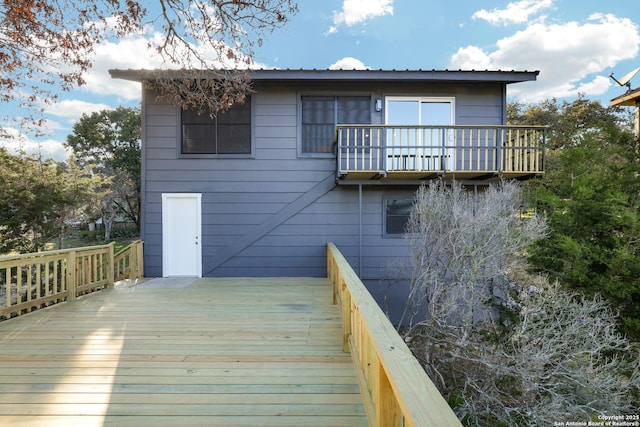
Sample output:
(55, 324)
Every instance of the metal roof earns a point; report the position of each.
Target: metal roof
(512, 76)
(629, 99)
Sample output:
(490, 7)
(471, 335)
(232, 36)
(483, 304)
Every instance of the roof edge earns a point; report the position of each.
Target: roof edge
(629, 99)
(512, 76)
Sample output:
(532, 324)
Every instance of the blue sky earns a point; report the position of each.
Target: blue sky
(575, 44)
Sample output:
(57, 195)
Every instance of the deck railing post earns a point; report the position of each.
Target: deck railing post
(139, 260)
(110, 265)
(71, 276)
(339, 151)
(387, 410)
(499, 148)
(345, 300)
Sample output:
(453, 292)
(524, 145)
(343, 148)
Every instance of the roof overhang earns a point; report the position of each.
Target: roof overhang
(629, 99)
(497, 76)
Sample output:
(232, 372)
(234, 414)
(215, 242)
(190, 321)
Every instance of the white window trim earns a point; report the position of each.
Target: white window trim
(420, 100)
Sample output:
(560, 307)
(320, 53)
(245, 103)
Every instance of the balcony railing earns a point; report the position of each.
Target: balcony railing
(456, 151)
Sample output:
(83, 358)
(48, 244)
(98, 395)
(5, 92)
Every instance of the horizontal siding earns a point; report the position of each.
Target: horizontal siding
(249, 166)
(244, 186)
(482, 106)
(285, 133)
(234, 176)
(160, 142)
(242, 195)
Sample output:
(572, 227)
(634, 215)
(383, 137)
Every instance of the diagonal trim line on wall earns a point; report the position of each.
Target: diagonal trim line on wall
(225, 254)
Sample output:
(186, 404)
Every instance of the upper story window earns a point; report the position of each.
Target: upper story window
(227, 133)
(321, 114)
(420, 110)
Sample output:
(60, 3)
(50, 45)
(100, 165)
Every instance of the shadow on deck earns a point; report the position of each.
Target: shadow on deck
(228, 352)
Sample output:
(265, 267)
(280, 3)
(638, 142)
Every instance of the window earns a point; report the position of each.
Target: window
(428, 149)
(397, 212)
(420, 111)
(321, 114)
(228, 133)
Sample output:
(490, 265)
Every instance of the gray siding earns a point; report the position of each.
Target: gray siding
(272, 214)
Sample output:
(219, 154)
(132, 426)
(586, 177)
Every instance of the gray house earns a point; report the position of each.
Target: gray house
(317, 156)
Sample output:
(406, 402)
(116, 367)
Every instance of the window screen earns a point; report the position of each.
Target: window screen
(228, 133)
(321, 114)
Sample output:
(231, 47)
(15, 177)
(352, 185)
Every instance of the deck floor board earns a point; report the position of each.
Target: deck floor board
(227, 352)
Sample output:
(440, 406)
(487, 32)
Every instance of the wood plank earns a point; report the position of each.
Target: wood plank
(178, 409)
(180, 389)
(199, 399)
(284, 371)
(186, 378)
(220, 352)
(155, 421)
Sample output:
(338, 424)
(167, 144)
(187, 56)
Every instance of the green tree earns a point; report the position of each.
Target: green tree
(569, 121)
(38, 198)
(110, 141)
(27, 202)
(590, 196)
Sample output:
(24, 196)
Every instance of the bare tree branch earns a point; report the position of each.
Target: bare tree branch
(505, 347)
(46, 45)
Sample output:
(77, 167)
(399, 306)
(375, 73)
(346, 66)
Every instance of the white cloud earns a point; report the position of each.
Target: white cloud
(133, 52)
(470, 58)
(356, 11)
(69, 111)
(515, 13)
(73, 109)
(124, 53)
(569, 56)
(348, 63)
(16, 142)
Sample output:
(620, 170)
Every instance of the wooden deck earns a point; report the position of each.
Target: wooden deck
(227, 352)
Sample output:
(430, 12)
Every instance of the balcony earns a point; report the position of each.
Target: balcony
(410, 153)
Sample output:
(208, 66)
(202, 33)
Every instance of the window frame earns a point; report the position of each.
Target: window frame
(331, 154)
(249, 155)
(443, 156)
(420, 99)
(385, 199)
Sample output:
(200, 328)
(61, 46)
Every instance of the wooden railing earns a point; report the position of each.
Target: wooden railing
(128, 262)
(395, 388)
(440, 149)
(37, 280)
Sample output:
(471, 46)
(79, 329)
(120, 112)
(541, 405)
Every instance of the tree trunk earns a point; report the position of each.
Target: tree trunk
(108, 223)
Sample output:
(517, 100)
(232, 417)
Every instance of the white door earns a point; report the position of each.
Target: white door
(181, 239)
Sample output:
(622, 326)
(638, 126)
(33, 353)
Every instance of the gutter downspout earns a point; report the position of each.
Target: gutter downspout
(359, 230)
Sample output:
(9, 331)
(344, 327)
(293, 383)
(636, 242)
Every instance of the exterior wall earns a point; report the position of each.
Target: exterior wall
(272, 214)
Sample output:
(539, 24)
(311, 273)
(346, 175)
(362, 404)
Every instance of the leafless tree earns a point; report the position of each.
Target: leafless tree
(503, 346)
(463, 243)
